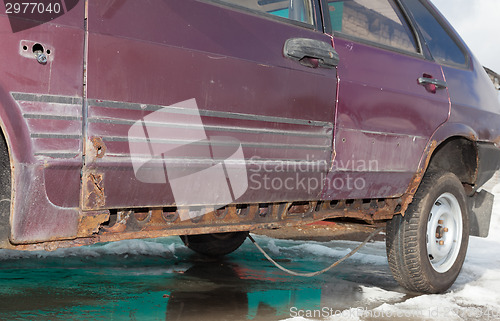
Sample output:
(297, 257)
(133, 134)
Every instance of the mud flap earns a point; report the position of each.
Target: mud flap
(480, 208)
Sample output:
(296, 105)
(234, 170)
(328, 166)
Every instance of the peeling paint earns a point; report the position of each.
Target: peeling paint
(93, 191)
(161, 222)
(90, 222)
(99, 147)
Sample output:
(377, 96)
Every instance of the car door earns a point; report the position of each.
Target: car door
(186, 86)
(469, 86)
(392, 97)
(41, 88)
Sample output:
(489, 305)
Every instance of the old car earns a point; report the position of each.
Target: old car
(208, 119)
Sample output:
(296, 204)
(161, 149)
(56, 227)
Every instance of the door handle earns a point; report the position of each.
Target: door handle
(301, 49)
(430, 81)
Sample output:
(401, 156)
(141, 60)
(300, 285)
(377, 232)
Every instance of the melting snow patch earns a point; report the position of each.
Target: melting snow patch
(273, 247)
(373, 294)
(323, 251)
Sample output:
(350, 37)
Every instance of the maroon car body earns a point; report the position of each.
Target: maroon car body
(363, 112)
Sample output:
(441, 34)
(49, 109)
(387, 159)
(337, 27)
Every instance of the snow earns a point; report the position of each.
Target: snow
(334, 249)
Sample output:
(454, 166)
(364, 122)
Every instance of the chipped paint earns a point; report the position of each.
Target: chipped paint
(99, 147)
(94, 227)
(90, 222)
(407, 198)
(93, 191)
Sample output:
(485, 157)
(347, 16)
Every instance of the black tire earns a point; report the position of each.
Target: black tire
(215, 244)
(423, 259)
(5, 193)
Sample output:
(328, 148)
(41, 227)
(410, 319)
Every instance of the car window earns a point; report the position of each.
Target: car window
(377, 21)
(443, 48)
(297, 10)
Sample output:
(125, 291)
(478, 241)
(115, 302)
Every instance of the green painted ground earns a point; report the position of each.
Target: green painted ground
(162, 280)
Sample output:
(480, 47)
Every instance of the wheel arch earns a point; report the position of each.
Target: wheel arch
(6, 186)
(473, 162)
(457, 148)
(453, 148)
(15, 149)
(458, 155)
(448, 137)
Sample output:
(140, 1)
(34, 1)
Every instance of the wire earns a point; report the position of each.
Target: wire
(311, 274)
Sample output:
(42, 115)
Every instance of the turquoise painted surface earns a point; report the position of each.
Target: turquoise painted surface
(163, 280)
(280, 13)
(336, 14)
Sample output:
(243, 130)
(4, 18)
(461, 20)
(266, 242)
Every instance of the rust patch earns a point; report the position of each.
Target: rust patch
(54, 245)
(324, 231)
(161, 222)
(369, 211)
(90, 222)
(94, 196)
(121, 222)
(157, 223)
(299, 208)
(407, 198)
(99, 146)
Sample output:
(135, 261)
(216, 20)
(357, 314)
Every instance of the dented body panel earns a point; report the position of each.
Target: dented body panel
(352, 141)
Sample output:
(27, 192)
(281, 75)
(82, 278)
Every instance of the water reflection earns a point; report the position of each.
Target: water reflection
(117, 285)
(213, 290)
(234, 289)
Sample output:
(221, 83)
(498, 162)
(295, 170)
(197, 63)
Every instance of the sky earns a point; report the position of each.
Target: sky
(477, 23)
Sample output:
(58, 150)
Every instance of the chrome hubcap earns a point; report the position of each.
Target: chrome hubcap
(444, 232)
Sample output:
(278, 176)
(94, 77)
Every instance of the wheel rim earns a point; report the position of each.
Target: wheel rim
(444, 232)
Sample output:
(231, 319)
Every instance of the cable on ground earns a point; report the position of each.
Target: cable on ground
(311, 274)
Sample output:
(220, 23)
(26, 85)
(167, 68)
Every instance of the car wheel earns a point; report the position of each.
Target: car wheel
(215, 244)
(426, 248)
